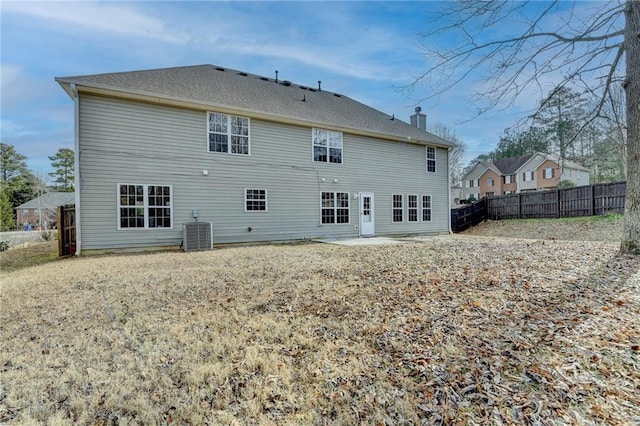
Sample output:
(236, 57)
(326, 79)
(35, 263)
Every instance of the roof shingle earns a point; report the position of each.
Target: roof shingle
(216, 86)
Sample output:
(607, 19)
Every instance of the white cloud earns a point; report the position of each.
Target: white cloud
(110, 18)
(9, 74)
(11, 129)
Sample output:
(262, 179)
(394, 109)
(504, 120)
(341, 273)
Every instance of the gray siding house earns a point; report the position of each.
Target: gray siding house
(260, 158)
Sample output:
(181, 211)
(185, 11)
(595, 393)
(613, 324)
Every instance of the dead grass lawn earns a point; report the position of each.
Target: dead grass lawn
(461, 329)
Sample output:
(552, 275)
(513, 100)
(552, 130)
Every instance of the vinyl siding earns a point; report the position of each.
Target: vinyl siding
(124, 142)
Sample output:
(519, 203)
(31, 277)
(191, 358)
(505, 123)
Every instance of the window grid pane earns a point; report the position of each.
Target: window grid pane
(327, 146)
(135, 213)
(131, 217)
(334, 207)
(160, 216)
(218, 143)
(426, 208)
(412, 208)
(228, 134)
(256, 199)
(397, 208)
(431, 159)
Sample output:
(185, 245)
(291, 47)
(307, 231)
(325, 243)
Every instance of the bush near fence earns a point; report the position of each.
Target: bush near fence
(591, 200)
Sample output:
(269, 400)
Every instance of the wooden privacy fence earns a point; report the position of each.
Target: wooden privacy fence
(465, 217)
(67, 230)
(590, 200)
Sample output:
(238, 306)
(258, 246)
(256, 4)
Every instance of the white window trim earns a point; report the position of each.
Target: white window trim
(335, 207)
(401, 208)
(422, 208)
(229, 133)
(507, 180)
(434, 159)
(313, 129)
(417, 208)
(491, 182)
(544, 173)
(266, 200)
(145, 206)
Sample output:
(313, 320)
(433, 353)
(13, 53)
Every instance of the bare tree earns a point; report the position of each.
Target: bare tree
(456, 157)
(557, 44)
(615, 127)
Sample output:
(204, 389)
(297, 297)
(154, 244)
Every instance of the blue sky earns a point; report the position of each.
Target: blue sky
(366, 50)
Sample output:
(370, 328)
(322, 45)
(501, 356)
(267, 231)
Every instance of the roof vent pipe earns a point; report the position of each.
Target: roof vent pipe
(319, 88)
(276, 76)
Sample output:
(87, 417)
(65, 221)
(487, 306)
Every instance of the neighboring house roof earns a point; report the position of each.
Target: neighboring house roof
(508, 166)
(490, 166)
(235, 91)
(49, 200)
(568, 164)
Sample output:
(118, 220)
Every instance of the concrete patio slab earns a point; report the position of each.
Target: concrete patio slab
(371, 241)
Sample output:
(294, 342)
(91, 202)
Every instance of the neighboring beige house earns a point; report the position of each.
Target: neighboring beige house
(533, 172)
(42, 211)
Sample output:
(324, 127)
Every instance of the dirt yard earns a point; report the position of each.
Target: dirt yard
(461, 329)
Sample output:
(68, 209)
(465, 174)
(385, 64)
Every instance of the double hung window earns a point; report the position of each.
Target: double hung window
(228, 133)
(334, 207)
(412, 208)
(327, 146)
(144, 206)
(255, 200)
(431, 159)
(426, 208)
(397, 213)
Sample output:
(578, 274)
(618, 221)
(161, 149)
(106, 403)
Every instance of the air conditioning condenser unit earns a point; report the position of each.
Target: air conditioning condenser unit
(197, 236)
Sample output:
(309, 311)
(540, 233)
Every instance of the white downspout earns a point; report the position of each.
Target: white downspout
(449, 187)
(77, 180)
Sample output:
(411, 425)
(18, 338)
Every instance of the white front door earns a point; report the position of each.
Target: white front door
(367, 223)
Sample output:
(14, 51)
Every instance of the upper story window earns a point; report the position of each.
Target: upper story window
(490, 182)
(431, 159)
(144, 206)
(527, 176)
(228, 133)
(327, 146)
(548, 173)
(508, 179)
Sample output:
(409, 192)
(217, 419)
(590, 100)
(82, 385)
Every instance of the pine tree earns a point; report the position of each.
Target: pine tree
(7, 222)
(63, 163)
(17, 183)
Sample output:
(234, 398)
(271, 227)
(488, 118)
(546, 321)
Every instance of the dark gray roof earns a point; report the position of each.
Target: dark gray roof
(509, 166)
(216, 86)
(49, 200)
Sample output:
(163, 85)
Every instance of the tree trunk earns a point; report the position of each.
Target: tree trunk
(631, 233)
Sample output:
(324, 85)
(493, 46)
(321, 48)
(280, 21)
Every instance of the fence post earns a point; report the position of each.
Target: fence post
(519, 205)
(60, 219)
(557, 202)
(591, 200)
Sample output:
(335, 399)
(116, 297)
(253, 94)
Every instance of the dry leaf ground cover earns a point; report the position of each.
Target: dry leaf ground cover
(445, 330)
